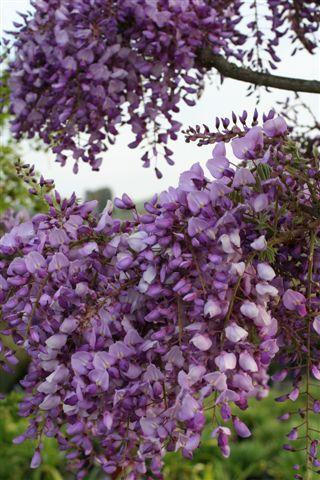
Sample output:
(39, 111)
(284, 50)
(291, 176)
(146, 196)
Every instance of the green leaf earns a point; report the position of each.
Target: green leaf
(264, 171)
(268, 255)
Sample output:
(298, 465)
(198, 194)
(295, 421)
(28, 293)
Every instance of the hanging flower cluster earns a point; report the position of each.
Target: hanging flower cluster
(82, 69)
(135, 328)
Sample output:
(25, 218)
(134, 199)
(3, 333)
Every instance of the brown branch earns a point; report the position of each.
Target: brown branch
(208, 59)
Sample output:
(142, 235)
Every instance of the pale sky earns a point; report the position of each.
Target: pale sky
(121, 169)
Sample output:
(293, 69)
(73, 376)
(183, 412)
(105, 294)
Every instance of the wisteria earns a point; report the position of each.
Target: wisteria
(136, 328)
(84, 68)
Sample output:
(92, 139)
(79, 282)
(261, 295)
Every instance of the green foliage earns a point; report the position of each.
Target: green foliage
(264, 171)
(268, 255)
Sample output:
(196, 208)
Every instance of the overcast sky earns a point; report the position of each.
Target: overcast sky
(121, 169)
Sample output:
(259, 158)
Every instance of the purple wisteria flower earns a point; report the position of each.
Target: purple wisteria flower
(250, 145)
(226, 361)
(235, 333)
(36, 459)
(316, 324)
(135, 327)
(219, 162)
(222, 434)
(243, 176)
(259, 244)
(260, 202)
(197, 200)
(275, 126)
(241, 428)
(296, 301)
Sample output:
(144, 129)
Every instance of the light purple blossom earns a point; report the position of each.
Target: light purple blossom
(57, 341)
(212, 308)
(218, 189)
(249, 309)
(80, 362)
(264, 288)
(202, 342)
(34, 261)
(196, 226)
(50, 402)
(100, 378)
(219, 162)
(191, 178)
(316, 324)
(137, 241)
(230, 242)
(241, 428)
(259, 244)
(226, 361)
(260, 202)
(235, 333)
(247, 362)
(265, 272)
(242, 177)
(242, 381)
(275, 126)
(152, 374)
(69, 325)
(197, 200)
(149, 426)
(222, 434)
(218, 380)
(17, 267)
(36, 460)
(315, 372)
(124, 260)
(295, 301)
(238, 268)
(189, 407)
(250, 145)
(58, 262)
(103, 360)
(120, 350)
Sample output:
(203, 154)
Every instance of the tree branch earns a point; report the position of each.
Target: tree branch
(208, 59)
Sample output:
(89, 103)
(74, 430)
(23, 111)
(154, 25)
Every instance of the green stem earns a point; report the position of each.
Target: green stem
(236, 288)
